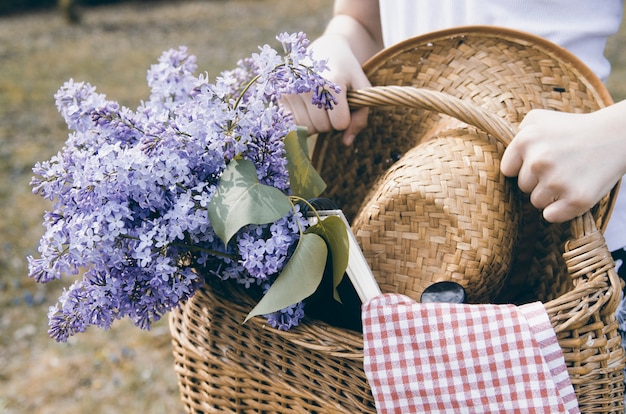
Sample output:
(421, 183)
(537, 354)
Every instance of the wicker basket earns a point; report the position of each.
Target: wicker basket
(224, 366)
(507, 73)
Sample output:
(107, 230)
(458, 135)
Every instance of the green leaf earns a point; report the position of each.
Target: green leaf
(241, 200)
(304, 180)
(299, 279)
(333, 230)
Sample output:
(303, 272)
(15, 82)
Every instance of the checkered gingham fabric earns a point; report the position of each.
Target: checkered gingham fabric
(456, 358)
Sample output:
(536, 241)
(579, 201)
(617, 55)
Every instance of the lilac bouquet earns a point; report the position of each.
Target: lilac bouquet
(203, 180)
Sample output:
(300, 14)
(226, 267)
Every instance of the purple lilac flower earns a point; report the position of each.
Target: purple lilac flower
(130, 189)
(287, 318)
(171, 81)
(264, 249)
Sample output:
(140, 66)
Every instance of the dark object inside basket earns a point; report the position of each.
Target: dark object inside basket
(322, 306)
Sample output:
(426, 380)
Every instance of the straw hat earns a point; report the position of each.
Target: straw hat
(423, 190)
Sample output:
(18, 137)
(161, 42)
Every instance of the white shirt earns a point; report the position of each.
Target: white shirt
(580, 26)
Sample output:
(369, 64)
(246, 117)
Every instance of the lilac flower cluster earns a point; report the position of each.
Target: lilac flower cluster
(131, 188)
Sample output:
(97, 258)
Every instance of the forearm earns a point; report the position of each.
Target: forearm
(358, 23)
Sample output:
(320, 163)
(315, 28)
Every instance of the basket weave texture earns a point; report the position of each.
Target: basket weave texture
(456, 87)
(503, 72)
(443, 211)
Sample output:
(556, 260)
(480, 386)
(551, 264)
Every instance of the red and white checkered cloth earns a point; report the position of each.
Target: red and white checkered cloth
(443, 358)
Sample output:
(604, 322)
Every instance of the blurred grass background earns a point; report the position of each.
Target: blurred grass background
(123, 370)
(23, 6)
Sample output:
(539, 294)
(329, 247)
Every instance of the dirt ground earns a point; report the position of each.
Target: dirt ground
(123, 370)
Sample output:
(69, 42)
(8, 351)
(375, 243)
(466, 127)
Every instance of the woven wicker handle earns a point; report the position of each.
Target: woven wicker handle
(441, 102)
(585, 255)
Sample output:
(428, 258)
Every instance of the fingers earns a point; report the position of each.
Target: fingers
(526, 159)
(358, 121)
(516, 162)
(346, 72)
(561, 211)
(555, 204)
(512, 161)
(358, 118)
(528, 177)
(516, 152)
(305, 114)
(541, 198)
(318, 120)
(546, 194)
(340, 118)
(560, 160)
(551, 196)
